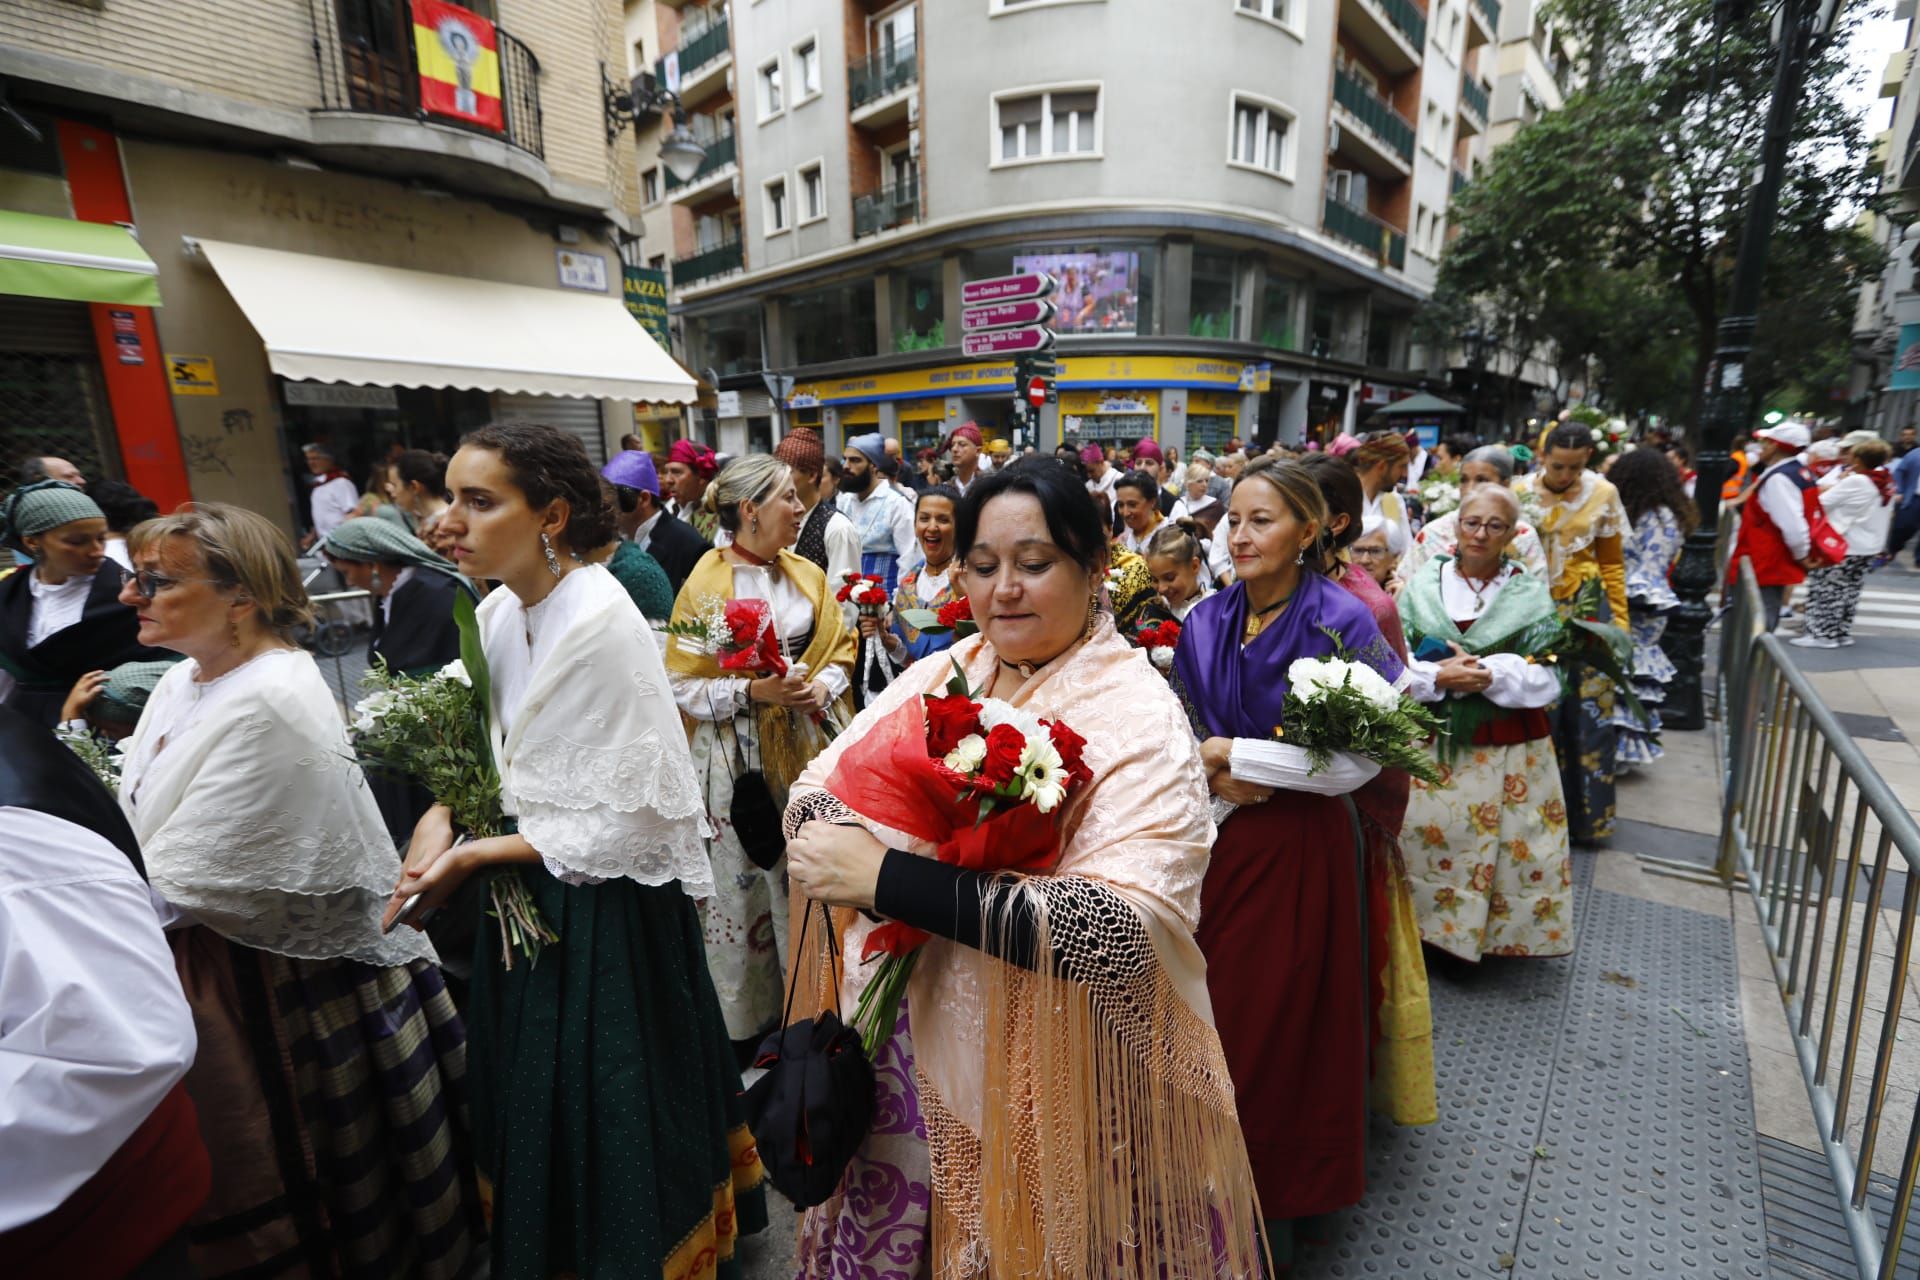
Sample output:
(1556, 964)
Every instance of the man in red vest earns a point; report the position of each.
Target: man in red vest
(1773, 522)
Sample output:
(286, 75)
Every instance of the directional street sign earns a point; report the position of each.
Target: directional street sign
(976, 293)
(1006, 315)
(1000, 342)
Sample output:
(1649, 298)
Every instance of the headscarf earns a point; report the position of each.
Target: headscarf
(632, 469)
(1148, 449)
(702, 459)
(366, 540)
(1092, 454)
(1343, 444)
(43, 505)
(873, 446)
(802, 450)
(128, 687)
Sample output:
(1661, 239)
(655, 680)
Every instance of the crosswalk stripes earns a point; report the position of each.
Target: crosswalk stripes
(1887, 611)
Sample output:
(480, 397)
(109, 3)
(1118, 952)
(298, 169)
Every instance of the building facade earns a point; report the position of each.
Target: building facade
(1883, 391)
(372, 224)
(1242, 220)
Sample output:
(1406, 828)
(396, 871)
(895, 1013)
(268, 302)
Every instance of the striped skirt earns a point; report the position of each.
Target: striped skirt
(332, 1100)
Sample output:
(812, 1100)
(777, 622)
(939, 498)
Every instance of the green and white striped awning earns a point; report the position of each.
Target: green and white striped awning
(43, 257)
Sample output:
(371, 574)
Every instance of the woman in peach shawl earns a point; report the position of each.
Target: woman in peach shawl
(1054, 1018)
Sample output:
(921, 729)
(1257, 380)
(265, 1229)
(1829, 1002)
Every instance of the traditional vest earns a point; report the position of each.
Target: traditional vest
(1760, 538)
(812, 543)
(148, 1189)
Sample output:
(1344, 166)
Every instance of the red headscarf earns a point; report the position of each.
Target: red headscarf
(697, 456)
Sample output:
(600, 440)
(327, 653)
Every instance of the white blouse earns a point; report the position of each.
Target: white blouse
(724, 697)
(1517, 684)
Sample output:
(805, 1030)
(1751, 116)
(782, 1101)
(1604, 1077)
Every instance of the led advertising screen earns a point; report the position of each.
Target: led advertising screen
(1098, 292)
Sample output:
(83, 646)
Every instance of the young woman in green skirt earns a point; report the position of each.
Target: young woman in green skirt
(607, 1106)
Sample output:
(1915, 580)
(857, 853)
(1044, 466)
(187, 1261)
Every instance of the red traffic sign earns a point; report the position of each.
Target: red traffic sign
(1006, 315)
(1037, 392)
(1000, 342)
(976, 293)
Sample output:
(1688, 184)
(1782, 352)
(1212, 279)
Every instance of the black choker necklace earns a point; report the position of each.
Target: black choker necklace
(1026, 669)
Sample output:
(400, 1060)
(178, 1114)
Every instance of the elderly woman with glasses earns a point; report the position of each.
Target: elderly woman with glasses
(1487, 850)
(61, 621)
(1489, 464)
(331, 1070)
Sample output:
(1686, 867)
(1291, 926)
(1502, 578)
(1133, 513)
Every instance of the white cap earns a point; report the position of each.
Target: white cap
(1789, 435)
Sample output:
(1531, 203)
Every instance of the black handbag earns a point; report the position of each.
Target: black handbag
(814, 1106)
(755, 817)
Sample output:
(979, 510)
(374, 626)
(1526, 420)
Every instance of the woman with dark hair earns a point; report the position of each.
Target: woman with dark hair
(931, 586)
(1176, 557)
(420, 491)
(1282, 906)
(124, 507)
(606, 1101)
(1136, 501)
(1661, 516)
(761, 720)
(1402, 1042)
(60, 618)
(1057, 1014)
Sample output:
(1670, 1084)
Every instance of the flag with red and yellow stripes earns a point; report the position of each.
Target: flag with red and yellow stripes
(459, 60)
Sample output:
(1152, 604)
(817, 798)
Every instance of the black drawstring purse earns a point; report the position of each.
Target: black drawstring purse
(814, 1106)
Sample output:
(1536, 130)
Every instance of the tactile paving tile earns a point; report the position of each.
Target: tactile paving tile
(1647, 1163)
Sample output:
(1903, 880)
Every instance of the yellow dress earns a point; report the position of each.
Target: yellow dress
(1584, 530)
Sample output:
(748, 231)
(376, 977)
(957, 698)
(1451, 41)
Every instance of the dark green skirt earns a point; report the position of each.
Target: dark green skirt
(606, 1105)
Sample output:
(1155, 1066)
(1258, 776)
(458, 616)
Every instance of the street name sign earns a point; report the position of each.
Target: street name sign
(976, 293)
(1006, 315)
(1000, 342)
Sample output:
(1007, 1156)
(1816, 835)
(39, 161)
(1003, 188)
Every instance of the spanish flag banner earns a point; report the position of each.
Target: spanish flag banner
(459, 60)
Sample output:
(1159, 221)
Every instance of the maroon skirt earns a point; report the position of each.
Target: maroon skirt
(1281, 926)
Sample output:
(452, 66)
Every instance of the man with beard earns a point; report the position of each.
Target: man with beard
(690, 467)
(963, 446)
(883, 518)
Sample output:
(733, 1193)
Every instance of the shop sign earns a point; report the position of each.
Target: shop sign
(1906, 366)
(1257, 377)
(996, 377)
(340, 395)
(586, 271)
(126, 338)
(458, 56)
(192, 376)
(1213, 402)
(645, 292)
(1098, 402)
(726, 404)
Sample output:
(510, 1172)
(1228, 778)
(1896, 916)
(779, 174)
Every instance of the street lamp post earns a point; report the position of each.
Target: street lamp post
(1727, 405)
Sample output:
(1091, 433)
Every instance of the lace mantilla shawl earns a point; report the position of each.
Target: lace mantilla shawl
(1571, 523)
(255, 818)
(595, 763)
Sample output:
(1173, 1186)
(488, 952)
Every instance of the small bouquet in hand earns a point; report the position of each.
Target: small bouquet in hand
(1340, 704)
(103, 757)
(739, 633)
(955, 616)
(865, 590)
(982, 780)
(1439, 495)
(1159, 639)
(433, 730)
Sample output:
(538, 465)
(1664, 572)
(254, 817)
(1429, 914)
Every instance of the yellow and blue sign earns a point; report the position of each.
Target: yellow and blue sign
(995, 377)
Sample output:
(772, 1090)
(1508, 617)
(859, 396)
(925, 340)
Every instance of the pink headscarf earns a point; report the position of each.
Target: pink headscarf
(1342, 445)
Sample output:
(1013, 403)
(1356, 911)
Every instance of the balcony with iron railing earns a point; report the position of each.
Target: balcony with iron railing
(1473, 99)
(1393, 32)
(367, 66)
(1359, 228)
(1487, 28)
(894, 205)
(722, 151)
(1460, 181)
(697, 51)
(723, 259)
(882, 74)
(1393, 132)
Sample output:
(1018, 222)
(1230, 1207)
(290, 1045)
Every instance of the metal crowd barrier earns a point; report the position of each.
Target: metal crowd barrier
(1809, 828)
(335, 637)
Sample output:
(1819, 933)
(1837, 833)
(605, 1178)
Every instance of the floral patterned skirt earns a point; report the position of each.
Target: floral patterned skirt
(1488, 857)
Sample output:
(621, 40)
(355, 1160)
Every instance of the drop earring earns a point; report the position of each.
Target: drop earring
(756, 527)
(376, 578)
(1093, 617)
(553, 561)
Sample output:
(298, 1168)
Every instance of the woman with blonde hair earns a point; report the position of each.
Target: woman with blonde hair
(330, 1079)
(758, 727)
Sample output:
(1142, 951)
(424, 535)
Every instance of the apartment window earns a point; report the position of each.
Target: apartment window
(658, 262)
(1052, 124)
(806, 70)
(1278, 11)
(650, 186)
(891, 34)
(779, 213)
(1011, 6)
(1261, 131)
(1430, 125)
(813, 193)
(1420, 220)
(771, 103)
(1348, 187)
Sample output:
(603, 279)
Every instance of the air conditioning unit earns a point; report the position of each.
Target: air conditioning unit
(913, 109)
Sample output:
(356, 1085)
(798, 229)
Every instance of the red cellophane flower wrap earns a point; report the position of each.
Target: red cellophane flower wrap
(752, 644)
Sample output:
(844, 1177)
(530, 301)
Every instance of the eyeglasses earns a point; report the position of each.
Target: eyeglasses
(148, 585)
(1367, 553)
(1492, 528)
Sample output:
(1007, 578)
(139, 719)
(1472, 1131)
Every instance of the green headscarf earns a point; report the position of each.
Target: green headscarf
(43, 505)
(128, 687)
(370, 540)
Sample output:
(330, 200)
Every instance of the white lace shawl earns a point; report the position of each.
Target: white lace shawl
(593, 756)
(253, 816)
(1569, 525)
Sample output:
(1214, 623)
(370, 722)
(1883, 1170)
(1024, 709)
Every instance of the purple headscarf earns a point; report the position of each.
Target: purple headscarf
(1237, 693)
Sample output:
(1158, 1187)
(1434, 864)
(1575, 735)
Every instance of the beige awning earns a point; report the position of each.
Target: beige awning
(332, 320)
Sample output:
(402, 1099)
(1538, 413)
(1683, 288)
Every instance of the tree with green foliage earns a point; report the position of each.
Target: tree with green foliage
(1606, 231)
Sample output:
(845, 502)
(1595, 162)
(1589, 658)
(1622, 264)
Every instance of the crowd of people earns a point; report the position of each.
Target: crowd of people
(1221, 963)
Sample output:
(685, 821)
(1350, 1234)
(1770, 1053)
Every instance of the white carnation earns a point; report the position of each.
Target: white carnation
(1598, 434)
(1313, 677)
(969, 755)
(995, 712)
(455, 671)
(1373, 686)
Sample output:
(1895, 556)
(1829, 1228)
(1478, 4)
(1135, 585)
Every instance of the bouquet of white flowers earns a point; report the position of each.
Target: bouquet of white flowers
(103, 757)
(433, 730)
(1340, 704)
(1439, 495)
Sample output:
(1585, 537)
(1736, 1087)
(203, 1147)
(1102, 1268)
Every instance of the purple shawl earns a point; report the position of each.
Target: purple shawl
(1233, 692)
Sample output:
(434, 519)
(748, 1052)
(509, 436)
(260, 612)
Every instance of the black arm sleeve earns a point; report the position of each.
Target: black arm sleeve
(954, 903)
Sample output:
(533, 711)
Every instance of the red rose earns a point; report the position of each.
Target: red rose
(955, 612)
(1005, 746)
(852, 579)
(1072, 748)
(745, 619)
(843, 594)
(874, 577)
(1170, 633)
(950, 719)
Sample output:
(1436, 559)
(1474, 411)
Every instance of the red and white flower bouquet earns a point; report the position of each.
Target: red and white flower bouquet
(738, 633)
(981, 780)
